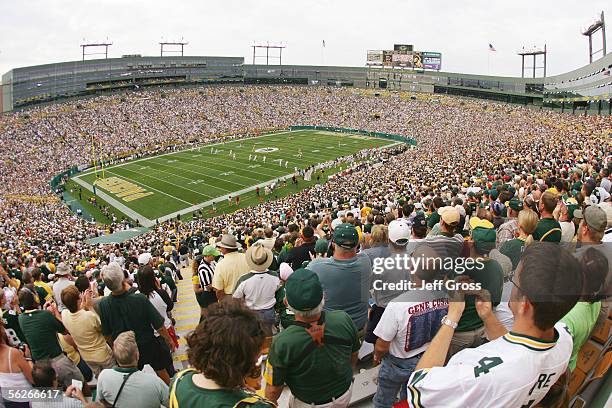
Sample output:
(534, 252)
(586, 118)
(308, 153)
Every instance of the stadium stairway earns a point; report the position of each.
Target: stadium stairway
(186, 312)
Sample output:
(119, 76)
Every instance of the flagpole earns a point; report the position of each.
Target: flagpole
(322, 52)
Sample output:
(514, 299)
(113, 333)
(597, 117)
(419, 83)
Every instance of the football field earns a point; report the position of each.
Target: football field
(163, 186)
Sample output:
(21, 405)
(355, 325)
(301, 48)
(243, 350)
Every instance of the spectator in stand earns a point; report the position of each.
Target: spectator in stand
(15, 372)
(38, 281)
(509, 229)
(202, 279)
(64, 275)
(150, 286)
(230, 268)
(447, 244)
(44, 376)
(183, 252)
(582, 318)
(398, 237)
(403, 333)
(258, 287)
(548, 229)
(125, 386)
(545, 289)
(86, 330)
(224, 349)
(269, 239)
(346, 276)
(40, 328)
(315, 355)
(304, 249)
(124, 311)
(489, 274)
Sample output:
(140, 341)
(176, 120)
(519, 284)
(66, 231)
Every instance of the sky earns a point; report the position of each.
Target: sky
(42, 31)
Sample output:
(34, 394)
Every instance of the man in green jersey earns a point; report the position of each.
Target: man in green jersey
(315, 355)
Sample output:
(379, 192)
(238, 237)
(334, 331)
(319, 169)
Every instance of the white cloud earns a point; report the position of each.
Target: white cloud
(41, 31)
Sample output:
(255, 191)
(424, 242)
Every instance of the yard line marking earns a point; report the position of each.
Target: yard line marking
(189, 178)
(167, 182)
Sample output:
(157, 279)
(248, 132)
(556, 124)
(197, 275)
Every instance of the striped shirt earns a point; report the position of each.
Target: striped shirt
(206, 272)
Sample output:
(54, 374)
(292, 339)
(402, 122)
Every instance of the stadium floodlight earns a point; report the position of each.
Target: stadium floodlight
(533, 51)
(267, 46)
(174, 47)
(86, 45)
(598, 25)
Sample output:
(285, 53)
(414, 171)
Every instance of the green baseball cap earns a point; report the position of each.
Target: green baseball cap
(484, 239)
(210, 250)
(494, 193)
(481, 234)
(346, 236)
(321, 246)
(303, 290)
(515, 204)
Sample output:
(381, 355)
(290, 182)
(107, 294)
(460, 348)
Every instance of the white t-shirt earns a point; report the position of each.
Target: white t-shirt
(161, 307)
(411, 320)
(512, 371)
(258, 290)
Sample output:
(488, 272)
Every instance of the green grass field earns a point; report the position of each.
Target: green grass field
(160, 187)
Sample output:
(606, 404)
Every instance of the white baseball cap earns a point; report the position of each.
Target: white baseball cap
(145, 258)
(399, 231)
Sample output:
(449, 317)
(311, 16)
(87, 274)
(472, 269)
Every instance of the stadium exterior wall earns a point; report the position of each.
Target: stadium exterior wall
(584, 88)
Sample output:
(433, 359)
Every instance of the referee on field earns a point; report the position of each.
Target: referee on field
(203, 276)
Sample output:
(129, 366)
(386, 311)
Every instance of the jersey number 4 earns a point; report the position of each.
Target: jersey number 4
(485, 364)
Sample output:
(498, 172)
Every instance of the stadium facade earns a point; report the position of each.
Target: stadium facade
(585, 90)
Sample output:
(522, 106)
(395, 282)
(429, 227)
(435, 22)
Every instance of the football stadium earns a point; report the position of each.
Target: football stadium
(230, 230)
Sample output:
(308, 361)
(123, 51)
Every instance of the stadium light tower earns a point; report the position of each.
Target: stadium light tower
(85, 45)
(268, 47)
(598, 25)
(534, 52)
(174, 45)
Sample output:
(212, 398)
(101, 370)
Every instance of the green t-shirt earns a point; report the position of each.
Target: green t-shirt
(513, 249)
(40, 329)
(544, 226)
(433, 219)
(15, 273)
(491, 277)
(580, 321)
(129, 311)
(325, 372)
(190, 395)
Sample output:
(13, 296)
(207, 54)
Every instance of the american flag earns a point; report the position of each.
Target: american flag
(491, 47)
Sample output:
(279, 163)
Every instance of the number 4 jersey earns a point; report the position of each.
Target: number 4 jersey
(511, 371)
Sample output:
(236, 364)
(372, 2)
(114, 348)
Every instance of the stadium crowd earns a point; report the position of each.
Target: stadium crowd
(522, 189)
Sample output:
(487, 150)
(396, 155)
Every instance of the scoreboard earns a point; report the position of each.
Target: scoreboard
(403, 56)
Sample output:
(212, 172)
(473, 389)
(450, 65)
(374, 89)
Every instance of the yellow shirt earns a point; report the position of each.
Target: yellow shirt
(86, 331)
(228, 271)
(46, 287)
(365, 211)
(69, 350)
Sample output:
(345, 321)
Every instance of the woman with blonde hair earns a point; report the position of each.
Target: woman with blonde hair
(527, 221)
(378, 237)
